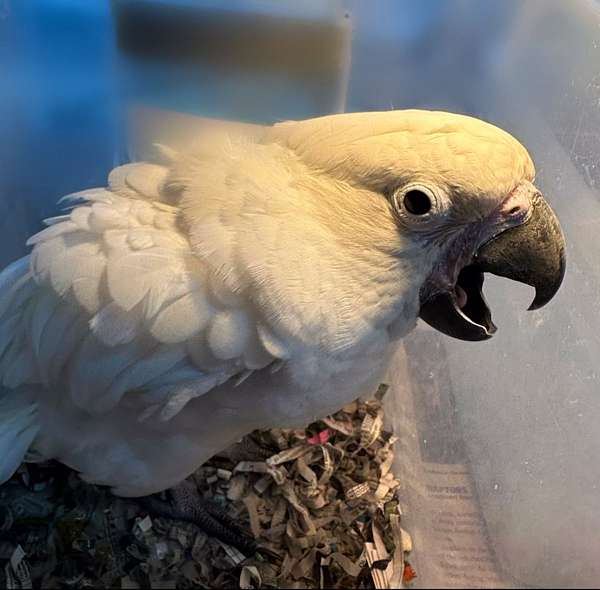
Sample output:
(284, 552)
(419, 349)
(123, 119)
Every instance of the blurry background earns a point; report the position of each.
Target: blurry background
(76, 74)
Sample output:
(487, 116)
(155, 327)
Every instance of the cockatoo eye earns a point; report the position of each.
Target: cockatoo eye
(416, 202)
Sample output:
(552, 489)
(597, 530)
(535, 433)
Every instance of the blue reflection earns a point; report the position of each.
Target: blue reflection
(57, 109)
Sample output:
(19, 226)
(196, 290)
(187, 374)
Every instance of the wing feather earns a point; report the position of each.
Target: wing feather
(182, 319)
(113, 305)
(54, 359)
(94, 367)
(228, 334)
(158, 363)
(58, 229)
(44, 308)
(113, 325)
(66, 327)
(183, 372)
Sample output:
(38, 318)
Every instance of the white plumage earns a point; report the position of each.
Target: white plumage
(247, 284)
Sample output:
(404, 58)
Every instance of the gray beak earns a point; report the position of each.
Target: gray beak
(531, 253)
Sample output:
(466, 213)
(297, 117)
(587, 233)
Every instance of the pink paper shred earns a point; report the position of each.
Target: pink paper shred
(319, 439)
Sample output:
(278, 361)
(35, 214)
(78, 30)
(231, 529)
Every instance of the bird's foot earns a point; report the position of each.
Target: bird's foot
(248, 449)
(187, 505)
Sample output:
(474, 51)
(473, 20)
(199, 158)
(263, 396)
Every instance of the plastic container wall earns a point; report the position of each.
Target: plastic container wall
(58, 116)
(528, 401)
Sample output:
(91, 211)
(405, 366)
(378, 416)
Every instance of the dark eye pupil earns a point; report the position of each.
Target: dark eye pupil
(417, 202)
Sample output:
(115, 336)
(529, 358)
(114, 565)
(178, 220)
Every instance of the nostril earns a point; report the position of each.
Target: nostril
(515, 210)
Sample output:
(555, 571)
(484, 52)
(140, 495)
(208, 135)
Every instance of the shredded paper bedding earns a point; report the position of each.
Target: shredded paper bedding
(321, 502)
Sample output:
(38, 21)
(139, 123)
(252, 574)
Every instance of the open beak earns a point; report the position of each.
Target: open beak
(531, 253)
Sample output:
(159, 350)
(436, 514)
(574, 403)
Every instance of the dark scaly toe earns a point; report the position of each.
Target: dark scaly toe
(247, 450)
(211, 518)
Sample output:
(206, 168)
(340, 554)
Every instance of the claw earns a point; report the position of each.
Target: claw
(211, 518)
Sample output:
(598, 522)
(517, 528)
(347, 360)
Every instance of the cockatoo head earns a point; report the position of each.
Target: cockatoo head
(452, 193)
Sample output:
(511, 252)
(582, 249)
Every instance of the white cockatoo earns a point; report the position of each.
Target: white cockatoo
(256, 282)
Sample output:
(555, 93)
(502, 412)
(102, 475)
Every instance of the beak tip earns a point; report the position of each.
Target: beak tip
(545, 294)
(539, 302)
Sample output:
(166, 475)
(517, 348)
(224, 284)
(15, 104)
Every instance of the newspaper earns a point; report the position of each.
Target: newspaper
(439, 499)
